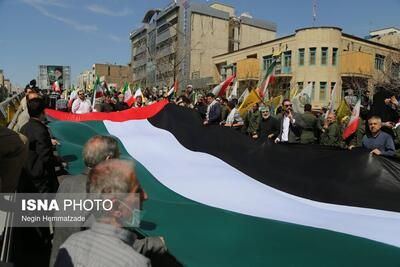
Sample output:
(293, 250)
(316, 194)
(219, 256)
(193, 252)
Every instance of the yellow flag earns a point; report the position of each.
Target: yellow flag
(293, 93)
(342, 111)
(275, 102)
(252, 99)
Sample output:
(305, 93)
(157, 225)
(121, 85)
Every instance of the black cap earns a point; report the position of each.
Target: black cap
(32, 83)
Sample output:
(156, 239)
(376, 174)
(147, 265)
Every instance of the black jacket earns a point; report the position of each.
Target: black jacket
(106, 107)
(268, 126)
(38, 174)
(119, 106)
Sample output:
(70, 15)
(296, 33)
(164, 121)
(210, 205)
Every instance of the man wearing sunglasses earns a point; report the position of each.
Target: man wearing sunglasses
(81, 105)
(291, 124)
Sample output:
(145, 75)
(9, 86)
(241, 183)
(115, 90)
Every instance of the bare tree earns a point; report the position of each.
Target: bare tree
(389, 77)
(358, 84)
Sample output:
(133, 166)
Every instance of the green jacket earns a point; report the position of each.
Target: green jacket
(321, 121)
(308, 133)
(251, 122)
(356, 138)
(331, 136)
(224, 112)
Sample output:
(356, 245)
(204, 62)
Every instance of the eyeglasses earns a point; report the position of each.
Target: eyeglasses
(288, 105)
(265, 112)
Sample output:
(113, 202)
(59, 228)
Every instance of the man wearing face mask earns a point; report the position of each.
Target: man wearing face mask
(109, 242)
(291, 124)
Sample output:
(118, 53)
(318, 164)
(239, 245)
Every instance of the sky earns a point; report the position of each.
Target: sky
(80, 33)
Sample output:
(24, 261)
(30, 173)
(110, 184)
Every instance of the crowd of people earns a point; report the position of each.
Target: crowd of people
(40, 171)
(278, 124)
(106, 173)
(378, 127)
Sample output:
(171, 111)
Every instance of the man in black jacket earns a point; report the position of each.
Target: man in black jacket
(108, 105)
(31, 246)
(120, 105)
(213, 115)
(38, 174)
(291, 124)
(268, 127)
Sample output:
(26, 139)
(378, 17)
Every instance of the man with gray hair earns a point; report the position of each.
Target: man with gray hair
(97, 149)
(101, 245)
(380, 143)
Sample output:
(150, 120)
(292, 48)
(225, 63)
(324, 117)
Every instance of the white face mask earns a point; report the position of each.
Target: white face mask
(137, 216)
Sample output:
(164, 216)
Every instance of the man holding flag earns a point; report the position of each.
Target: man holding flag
(355, 128)
(220, 89)
(97, 92)
(126, 91)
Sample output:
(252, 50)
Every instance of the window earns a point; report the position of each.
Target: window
(300, 86)
(287, 63)
(301, 56)
(334, 56)
(267, 61)
(313, 90)
(379, 62)
(332, 85)
(322, 91)
(288, 59)
(324, 55)
(396, 70)
(312, 55)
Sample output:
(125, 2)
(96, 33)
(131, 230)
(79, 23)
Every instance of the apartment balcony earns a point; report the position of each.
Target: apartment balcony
(356, 63)
(167, 50)
(283, 71)
(167, 34)
(139, 75)
(248, 69)
(140, 62)
(139, 50)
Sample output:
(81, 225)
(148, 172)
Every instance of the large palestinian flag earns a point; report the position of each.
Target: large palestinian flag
(221, 199)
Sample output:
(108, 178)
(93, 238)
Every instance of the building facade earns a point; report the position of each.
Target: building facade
(85, 79)
(1, 78)
(113, 74)
(179, 42)
(387, 36)
(323, 56)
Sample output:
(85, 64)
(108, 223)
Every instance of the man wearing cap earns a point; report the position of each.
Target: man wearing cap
(330, 132)
(190, 94)
(251, 121)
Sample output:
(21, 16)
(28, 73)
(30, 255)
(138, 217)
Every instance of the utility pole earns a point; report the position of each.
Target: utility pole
(314, 12)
